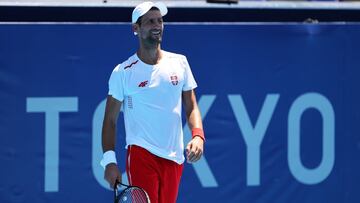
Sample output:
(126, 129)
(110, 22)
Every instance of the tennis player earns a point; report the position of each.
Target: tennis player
(151, 86)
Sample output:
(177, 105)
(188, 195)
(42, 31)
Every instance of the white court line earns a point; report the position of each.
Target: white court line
(187, 4)
(178, 23)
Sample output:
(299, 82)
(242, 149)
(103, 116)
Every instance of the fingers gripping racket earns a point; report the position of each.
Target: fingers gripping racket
(131, 194)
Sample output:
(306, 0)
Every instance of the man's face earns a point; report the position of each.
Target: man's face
(151, 27)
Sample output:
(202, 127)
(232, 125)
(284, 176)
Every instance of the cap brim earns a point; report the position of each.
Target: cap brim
(142, 10)
(161, 6)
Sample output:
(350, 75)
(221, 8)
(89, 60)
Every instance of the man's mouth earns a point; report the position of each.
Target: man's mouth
(155, 32)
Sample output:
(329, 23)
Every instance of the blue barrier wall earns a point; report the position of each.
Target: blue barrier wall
(280, 105)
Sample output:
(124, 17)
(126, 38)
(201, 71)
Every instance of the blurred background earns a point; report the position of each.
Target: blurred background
(278, 91)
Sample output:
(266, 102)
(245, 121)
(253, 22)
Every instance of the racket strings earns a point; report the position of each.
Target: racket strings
(133, 195)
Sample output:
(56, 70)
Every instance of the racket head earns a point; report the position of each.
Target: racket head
(131, 194)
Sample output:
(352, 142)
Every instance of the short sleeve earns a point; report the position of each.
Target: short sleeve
(116, 87)
(189, 81)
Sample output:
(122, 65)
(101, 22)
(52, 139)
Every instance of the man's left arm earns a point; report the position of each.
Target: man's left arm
(195, 147)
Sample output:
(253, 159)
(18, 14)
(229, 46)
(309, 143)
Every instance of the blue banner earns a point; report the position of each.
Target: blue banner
(280, 107)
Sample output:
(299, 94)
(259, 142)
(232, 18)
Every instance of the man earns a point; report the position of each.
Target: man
(151, 86)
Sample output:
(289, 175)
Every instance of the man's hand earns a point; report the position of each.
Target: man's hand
(194, 149)
(112, 173)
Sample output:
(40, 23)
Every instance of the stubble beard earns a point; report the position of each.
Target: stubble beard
(153, 41)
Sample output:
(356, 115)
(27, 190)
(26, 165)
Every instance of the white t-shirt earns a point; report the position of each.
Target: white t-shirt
(151, 96)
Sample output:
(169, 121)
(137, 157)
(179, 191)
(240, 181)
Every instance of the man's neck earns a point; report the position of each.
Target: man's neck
(150, 56)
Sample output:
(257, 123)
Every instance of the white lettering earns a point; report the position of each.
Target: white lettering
(51, 107)
(253, 136)
(323, 105)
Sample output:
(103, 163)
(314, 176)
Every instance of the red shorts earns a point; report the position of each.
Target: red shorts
(159, 177)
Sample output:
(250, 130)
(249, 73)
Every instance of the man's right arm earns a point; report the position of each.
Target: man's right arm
(112, 110)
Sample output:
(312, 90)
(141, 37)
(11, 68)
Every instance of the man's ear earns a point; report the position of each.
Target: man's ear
(135, 28)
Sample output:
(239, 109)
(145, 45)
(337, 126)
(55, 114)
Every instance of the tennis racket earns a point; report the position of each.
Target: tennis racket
(131, 194)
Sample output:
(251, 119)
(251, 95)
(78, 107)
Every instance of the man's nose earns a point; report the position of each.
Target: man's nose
(157, 24)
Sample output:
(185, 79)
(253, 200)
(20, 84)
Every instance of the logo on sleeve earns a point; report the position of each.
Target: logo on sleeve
(130, 102)
(143, 84)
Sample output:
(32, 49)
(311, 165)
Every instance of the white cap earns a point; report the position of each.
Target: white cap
(144, 7)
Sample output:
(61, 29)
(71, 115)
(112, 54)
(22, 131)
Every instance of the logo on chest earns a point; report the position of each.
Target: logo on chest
(174, 79)
(143, 83)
